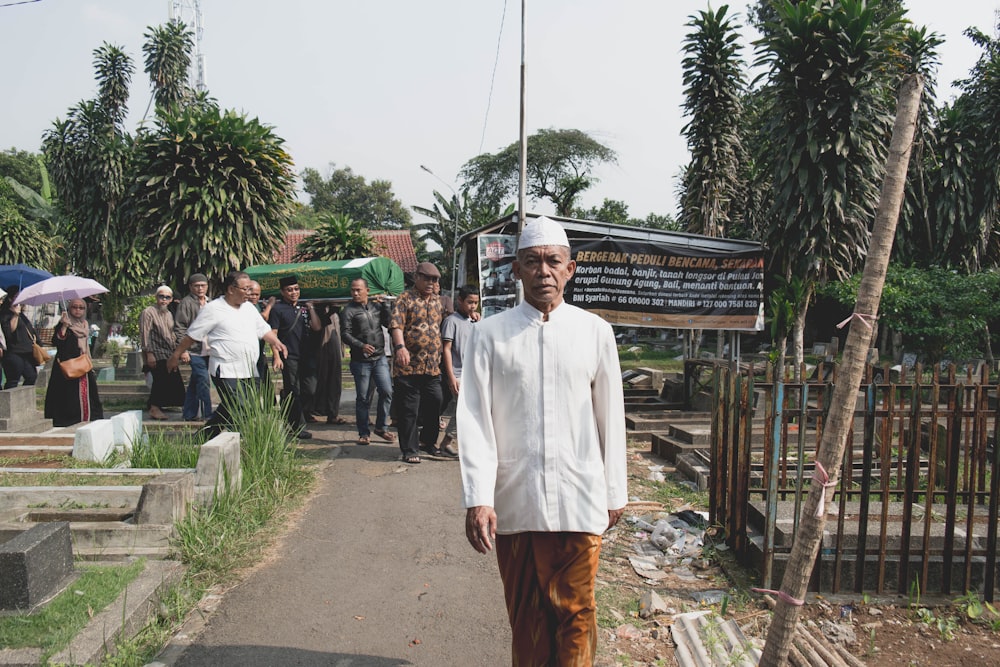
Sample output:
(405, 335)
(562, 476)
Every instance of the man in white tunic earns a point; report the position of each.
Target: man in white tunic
(541, 420)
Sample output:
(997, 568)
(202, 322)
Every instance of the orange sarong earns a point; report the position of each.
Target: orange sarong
(548, 581)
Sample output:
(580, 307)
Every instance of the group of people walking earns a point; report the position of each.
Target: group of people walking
(539, 409)
(220, 341)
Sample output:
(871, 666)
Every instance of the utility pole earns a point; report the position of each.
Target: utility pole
(189, 11)
(522, 179)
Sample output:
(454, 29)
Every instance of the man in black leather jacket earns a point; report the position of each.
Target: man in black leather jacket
(361, 324)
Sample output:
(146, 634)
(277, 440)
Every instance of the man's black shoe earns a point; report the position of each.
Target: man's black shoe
(305, 435)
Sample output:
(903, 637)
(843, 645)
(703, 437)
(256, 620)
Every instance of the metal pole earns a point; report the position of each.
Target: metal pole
(522, 172)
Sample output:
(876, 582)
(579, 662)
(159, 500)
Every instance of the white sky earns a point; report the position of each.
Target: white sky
(384, 86)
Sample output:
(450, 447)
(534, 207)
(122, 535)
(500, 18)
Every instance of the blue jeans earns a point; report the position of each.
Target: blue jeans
(198, 394)
(362, 372)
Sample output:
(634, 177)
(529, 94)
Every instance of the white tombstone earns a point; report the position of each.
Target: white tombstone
(94, 441)
(128, 428)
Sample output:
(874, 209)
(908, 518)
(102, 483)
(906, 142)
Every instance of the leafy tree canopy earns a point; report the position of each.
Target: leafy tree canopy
(559, 168)
(23, 166)
(942, 314)
(615, 211)
(213, 191)
(21, 241)
(347, 193)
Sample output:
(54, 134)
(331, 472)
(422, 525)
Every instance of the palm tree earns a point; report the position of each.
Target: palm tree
(213, 191)
(829, 84)
(713, 90)
(337, 237)
(90, 160)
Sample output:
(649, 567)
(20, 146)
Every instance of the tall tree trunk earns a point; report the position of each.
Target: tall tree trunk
(799, 329)
(831, 449)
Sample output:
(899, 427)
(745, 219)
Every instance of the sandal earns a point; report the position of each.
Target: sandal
(412, 459)
(363, 440)
(385, 435)
(431, 450)
(336, 420)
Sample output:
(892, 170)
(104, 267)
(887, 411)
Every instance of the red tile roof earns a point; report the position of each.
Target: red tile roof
(392, 243)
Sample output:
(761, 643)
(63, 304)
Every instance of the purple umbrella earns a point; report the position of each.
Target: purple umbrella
(59, 288)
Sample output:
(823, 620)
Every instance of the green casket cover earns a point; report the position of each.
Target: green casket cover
(332, 280)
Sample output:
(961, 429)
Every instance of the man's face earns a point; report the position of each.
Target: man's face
(544, 272)
(199, 289)
(468, 305)
(239, 292)
(425, 283)
(359, 292)
(253, 295)
(163, 298)
(290, 294)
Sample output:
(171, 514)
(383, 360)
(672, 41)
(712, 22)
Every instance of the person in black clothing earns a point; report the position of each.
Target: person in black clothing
(18, 361)
(361, 324)
(294, 325)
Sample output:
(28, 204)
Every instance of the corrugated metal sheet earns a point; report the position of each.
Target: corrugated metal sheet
(705, 640)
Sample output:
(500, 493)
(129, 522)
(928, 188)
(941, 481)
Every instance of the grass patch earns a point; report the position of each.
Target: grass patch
(69, 479)
(61, 619)
(218, 540)
(162, 449)
(670, 490)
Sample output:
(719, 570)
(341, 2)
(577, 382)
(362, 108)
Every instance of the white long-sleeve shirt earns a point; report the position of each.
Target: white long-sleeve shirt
(541, 421)
(231, 335)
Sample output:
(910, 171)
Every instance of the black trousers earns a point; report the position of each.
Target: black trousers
(291, 387)
(417, 401)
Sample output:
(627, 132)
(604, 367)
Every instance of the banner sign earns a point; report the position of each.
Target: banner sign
(649, 285)
(496, 282)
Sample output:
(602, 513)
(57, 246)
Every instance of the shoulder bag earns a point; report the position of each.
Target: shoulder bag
(38, 353)
(76, 367)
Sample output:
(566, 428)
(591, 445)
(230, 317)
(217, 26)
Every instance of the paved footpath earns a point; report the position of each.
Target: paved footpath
(376, 573)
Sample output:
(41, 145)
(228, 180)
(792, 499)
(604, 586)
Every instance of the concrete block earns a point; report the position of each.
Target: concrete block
(106, 374)
(219, 462)
(127, 428)
(34, 565)
(165, 500)
(19, 411)
(94, 441)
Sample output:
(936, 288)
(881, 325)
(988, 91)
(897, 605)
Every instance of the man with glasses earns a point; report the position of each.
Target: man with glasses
(198, 396)
(415, 328)
(232, 328)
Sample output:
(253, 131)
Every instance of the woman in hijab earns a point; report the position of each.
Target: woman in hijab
(18, 361)
(68, 400)
(156, 336)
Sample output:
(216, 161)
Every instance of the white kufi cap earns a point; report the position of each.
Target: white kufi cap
(542, 231)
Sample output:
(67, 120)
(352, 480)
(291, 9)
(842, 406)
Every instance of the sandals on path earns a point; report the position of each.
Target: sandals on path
(385, 435)
(363, 440)
(412, 459)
